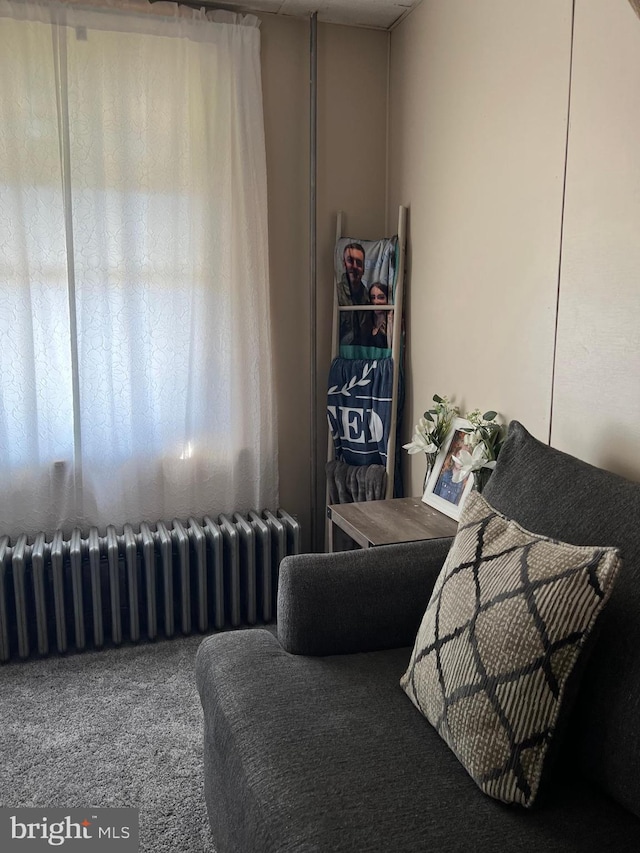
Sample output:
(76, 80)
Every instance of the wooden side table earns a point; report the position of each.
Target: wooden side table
(372, 523)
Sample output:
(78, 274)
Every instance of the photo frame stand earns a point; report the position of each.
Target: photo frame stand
(441, 491)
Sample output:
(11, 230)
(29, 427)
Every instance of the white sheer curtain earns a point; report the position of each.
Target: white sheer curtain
(135, 365)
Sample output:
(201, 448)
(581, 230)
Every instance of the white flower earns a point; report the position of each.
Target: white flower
(469, 462)
(424, 426)
(420, 444)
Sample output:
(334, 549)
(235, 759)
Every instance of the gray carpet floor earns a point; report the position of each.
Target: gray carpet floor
(121, 727)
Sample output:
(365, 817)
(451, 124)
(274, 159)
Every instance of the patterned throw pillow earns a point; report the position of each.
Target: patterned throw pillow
(506, 624)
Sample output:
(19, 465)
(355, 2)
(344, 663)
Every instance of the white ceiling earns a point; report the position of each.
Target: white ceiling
(380, 14)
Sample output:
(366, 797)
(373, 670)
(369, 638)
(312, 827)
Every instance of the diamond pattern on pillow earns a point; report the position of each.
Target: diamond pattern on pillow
(501, 636)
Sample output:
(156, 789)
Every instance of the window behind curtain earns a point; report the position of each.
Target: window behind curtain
(135, 376)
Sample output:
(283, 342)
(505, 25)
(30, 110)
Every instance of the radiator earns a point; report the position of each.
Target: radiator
(60, 594)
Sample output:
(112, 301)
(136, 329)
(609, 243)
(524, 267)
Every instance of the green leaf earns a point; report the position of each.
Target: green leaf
(489, 416)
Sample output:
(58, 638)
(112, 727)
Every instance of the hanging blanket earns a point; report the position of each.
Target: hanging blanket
(359, 409)
(350, 483)
(365, 272)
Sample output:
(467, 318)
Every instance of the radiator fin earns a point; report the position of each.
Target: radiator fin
(60, 594)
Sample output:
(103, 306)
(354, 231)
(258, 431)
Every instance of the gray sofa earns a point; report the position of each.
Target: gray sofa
(311, 744)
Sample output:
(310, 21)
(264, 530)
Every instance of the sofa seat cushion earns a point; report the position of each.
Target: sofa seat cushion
(326, 754)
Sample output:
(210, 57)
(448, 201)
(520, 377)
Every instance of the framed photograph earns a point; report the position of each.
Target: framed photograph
(441, 492)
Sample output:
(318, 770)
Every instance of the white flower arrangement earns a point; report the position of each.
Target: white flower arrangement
(483, 442)
(432, 428)
(483, 439)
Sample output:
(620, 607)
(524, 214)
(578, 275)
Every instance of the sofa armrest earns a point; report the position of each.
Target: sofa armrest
(356, 601)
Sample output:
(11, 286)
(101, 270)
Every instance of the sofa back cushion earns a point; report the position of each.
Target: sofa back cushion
(557, 495)
(502, 644)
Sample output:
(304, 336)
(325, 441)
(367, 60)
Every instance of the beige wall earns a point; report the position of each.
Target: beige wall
(478, 107)
(596, 411)
(352, 90)
(477, 131)
(352, 149)
(479, 96)
(285, 97)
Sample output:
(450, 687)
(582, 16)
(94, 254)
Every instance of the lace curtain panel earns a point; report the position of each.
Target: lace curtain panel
(135, 364)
